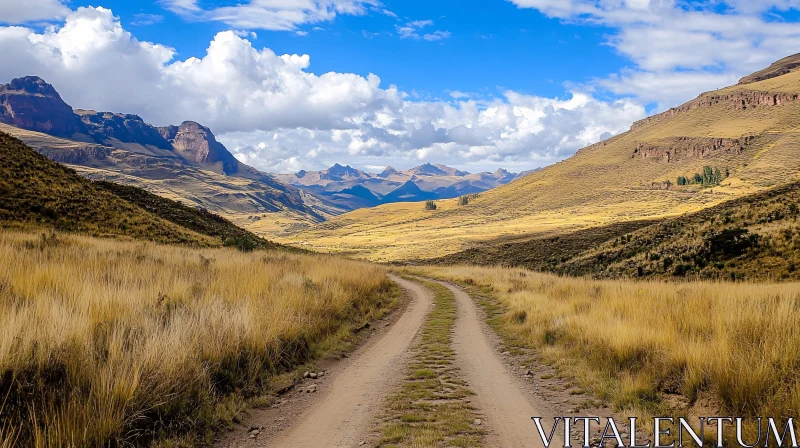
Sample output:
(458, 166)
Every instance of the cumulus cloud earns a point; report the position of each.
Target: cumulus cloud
(23, 11)
(275, 114)
(691, 47)
(271, 14)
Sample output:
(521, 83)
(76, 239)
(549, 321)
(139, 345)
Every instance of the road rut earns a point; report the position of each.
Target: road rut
(507, 408)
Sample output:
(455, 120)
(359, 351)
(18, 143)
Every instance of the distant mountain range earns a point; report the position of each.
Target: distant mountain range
(349, 188)
(186, 163)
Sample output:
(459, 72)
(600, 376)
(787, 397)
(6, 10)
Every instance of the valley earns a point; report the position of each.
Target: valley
(156, 291)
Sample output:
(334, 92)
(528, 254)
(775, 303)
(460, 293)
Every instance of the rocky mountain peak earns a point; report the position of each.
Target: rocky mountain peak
(128, 128)
(344, 171)
(33, 85)
(31, 103)
(197, 143)
(387, 172)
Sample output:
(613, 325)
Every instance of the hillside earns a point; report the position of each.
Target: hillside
(183, 162)
(752, 237)
(37, 192)
(748, 133)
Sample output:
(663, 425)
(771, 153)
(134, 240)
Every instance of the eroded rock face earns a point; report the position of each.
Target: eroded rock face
(196, 143)
(77, 156)
(126, 128)
(740, 100)
(682, 148)
(32, 104)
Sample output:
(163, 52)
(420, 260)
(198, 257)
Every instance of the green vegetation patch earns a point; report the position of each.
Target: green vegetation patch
(432, 408)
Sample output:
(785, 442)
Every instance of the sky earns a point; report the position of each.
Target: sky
(478, 85)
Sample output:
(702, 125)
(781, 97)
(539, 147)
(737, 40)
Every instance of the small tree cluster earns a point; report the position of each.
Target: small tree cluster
(430, 205)
(464, 200)
(709, 178)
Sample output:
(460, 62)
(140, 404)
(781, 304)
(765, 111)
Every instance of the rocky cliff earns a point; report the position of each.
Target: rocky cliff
(680, 148)
(30, 103)
(127, 128)
(196, 143)
(738, 100)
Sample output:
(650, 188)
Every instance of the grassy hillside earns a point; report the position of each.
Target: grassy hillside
(751, 131)
(198, 220)
(753, 237)
(36, 192)
(117, 343)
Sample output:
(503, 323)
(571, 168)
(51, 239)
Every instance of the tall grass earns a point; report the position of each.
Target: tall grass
(106, 342)
(736, 345)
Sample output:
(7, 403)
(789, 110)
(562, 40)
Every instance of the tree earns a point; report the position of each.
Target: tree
(430, 205)
(463, 200)
(682, 180)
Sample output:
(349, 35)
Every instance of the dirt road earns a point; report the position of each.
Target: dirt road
(346, 413)
(506, 407)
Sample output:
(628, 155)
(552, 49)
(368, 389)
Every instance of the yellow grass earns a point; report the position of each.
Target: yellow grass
(105, 341)
(735, 345)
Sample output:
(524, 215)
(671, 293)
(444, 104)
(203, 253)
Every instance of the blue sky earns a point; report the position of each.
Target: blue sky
(493, 46)
(303, 84)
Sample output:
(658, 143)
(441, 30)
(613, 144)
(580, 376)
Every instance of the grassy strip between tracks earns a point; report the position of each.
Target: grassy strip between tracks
(433, 406)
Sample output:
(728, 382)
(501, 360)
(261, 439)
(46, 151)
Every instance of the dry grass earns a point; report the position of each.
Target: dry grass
(432, 408)
(635, 344)
(106, 342)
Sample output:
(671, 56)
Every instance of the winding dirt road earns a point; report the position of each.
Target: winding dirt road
(346, 413)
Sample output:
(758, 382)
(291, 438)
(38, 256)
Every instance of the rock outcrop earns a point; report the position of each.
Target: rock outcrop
(776, 69)
(76, 156)
(682, 148)
(196, 143)
(737, 100)
(32, 104)
(127, 128)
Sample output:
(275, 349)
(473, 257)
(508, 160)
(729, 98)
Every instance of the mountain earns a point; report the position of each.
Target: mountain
(429, 182)
(408, 192)
(184, 163)
(723, 145)
(36, 192)
(30, 103)
(196, 143)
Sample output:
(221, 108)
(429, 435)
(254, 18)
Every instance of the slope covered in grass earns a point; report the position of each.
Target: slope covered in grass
(754, 237)
(199, 220)
(35, 191)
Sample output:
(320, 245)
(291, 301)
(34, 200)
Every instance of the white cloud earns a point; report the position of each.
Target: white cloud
(278, 15)
(411, 30)
(144, 19)
(24, 11)
(276, 115)
(436, 35)
(690, 47)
